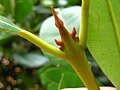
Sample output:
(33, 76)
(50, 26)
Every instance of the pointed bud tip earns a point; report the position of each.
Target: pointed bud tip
(58, 21)
(52, 10)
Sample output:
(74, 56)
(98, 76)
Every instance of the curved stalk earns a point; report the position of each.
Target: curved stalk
(80, 64)
(41, 44)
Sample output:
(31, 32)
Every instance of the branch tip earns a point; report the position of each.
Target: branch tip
(58, 21)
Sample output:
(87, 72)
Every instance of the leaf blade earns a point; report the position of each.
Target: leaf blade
(103, 37)
(113, 19)
(6, 25)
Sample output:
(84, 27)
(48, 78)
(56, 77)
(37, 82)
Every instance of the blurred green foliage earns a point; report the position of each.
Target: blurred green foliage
(39, 72)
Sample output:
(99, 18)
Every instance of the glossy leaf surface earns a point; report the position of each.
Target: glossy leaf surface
(104, 37)
(30, 59)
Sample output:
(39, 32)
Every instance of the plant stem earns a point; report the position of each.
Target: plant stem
(81, 64)
(82, 68)
(41, 44)
(75, 53)
(84, 23)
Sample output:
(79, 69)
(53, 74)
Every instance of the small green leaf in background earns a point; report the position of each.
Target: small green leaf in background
(104, 37)
(7, 5)
(22, 9)
(31, 59)
(52, 78)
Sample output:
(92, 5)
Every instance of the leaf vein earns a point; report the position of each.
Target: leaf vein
(114, 23)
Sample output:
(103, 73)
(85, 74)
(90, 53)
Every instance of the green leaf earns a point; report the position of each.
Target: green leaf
(104, 37)
(7, 5)
(22, 9)
(7, 25)
(52, 86)
(71, 80)
(54, 76)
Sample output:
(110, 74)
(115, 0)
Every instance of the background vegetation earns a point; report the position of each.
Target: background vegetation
(24, 66)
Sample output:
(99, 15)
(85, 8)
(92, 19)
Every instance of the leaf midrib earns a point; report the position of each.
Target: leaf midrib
(116, 30)
(15, 27)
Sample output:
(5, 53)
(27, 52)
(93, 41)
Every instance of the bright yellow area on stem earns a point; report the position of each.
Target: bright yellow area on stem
(84, 23)
(41, 44)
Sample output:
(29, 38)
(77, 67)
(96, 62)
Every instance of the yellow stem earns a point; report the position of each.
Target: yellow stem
(84, 23)
(83, 70)
(41, 44)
